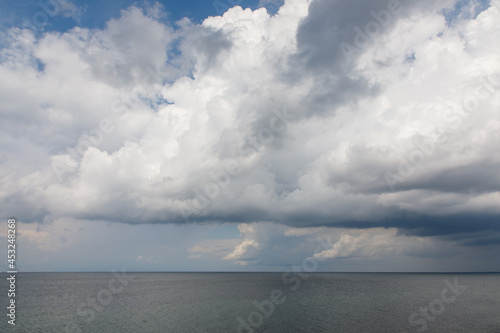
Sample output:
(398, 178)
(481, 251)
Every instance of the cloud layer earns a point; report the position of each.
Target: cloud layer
(354, 114)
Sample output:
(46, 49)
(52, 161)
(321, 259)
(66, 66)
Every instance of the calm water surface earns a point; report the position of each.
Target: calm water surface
(242, 302)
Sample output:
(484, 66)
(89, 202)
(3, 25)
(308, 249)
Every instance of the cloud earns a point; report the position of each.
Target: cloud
(345, 247)
(256, 240)
(52, 237)
(270, 245)
(69, 9)
(379, 243)
(250, 118)
(212, 248)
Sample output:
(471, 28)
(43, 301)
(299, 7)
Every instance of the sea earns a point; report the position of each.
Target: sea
(251, 302)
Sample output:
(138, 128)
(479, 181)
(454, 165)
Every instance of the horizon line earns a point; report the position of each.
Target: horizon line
(244, 272)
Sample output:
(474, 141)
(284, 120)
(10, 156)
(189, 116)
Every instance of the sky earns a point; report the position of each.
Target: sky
(240, 135)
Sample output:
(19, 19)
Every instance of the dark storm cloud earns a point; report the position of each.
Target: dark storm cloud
(330, 40)
(331, 23)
